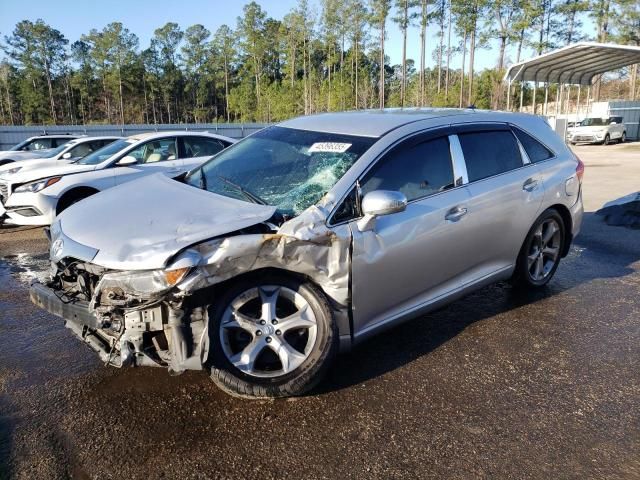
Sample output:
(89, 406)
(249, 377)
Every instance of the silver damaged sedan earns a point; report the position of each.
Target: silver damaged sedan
(309, 236)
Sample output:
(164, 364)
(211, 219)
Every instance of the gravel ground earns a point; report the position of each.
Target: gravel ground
(499, 384)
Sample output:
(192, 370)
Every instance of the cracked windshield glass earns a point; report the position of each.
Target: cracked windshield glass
(287, 168)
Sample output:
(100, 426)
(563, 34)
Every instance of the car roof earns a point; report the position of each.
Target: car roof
(376, 123)
(370, 123)
(55, 135)
(182, 133)
(75, 141)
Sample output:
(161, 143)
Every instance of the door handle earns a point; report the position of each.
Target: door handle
(455, 214)
(530, 185)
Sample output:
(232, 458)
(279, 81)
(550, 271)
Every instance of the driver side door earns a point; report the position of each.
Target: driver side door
(413, 256)
(154, 156)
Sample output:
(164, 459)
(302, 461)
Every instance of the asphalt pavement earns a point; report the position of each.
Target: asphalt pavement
(500, 384)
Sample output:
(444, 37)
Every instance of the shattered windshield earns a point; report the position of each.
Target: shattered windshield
(287, 168)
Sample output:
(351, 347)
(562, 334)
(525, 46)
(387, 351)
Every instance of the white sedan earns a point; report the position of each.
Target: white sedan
(68, 152)
(36, 196)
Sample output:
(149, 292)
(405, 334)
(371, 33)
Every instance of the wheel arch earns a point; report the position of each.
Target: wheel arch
(73, 193)
(203, 296)
(563, 211)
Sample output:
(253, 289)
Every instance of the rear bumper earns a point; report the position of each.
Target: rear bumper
(577, 212)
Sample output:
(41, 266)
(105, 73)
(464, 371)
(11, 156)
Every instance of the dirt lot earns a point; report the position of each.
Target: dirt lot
(499, 384)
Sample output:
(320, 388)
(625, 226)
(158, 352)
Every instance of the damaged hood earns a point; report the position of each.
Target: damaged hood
(141, 224)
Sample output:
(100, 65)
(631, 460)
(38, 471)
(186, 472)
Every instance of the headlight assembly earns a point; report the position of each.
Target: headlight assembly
(144, 282)
(37, 186)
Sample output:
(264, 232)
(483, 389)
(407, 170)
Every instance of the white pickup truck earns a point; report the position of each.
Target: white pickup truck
(597, 130)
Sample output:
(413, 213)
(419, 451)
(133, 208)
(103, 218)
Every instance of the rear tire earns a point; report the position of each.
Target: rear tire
(541, 252)
(270, 336)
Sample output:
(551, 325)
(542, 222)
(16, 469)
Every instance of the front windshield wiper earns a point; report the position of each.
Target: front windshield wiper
(203, 180)
(246, 193)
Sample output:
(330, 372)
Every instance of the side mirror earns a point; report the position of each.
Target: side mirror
(613, 123)
(380, 202)
(67, 155)
(128, 160)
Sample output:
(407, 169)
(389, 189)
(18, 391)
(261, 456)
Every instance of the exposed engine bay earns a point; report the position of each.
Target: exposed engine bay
(128, 326)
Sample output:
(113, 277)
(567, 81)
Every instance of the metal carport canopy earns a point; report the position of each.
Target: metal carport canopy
(576, 64)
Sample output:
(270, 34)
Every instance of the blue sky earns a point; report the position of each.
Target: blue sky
(75, 17)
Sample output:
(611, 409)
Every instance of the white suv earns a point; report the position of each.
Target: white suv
(598, 130)
(35, 197)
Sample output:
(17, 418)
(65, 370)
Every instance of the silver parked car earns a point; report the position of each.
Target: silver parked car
(308, 237)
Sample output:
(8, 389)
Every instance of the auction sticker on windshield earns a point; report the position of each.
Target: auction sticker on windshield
(333, 147)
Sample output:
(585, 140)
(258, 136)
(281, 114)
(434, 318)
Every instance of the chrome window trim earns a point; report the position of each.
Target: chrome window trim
(459, 163)
(523, 153)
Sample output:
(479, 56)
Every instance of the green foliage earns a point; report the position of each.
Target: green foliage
(309, 61)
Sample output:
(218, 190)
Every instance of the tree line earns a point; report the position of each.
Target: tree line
(265, 69)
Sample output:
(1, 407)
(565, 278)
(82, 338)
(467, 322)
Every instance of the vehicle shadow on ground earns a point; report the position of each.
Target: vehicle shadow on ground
(6, 436)
(596, 254)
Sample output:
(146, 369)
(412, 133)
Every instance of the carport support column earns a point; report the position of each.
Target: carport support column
(533, 104)
(509, 95)
(546, 98)
(578, 104)
(521, 93)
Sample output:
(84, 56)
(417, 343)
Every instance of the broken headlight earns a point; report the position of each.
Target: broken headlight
(143, 282)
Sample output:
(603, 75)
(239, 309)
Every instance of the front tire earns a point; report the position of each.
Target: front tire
(607, 139)
(623, 138)
(270, 336)
(72, 198)
(541, 252)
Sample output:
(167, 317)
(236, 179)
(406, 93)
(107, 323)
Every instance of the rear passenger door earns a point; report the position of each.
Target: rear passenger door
(506, 193)
(196, 150)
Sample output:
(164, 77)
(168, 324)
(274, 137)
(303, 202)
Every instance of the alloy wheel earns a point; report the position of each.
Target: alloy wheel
(544, 251)
(268, 331)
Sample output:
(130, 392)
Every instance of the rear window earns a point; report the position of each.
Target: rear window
(489, 153)
(535, 150)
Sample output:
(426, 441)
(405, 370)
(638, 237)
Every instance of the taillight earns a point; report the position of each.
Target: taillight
(580, 169)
